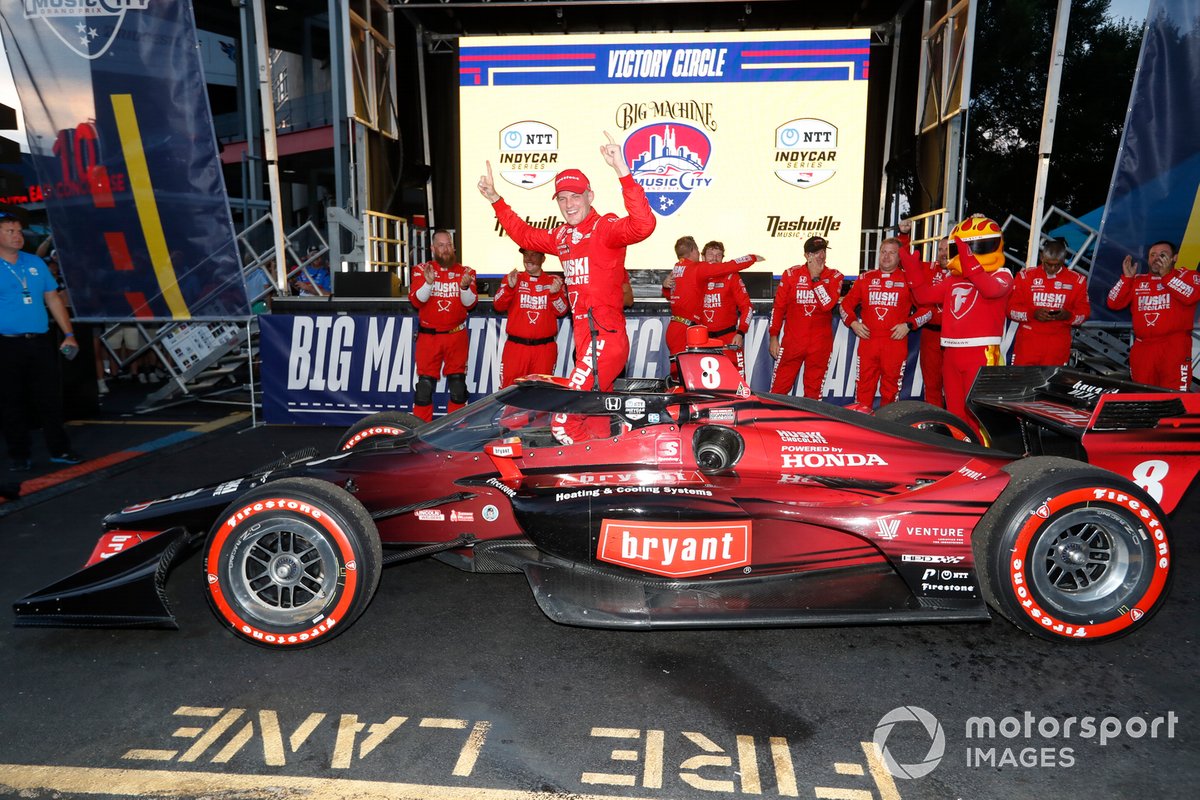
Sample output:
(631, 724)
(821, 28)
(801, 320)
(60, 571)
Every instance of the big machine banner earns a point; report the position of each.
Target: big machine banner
(754, 139)
(335, 369)
(121, 135)
(1155, 191)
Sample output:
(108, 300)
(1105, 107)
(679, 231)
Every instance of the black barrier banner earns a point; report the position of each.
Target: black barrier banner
(335, 369)
(122, 139)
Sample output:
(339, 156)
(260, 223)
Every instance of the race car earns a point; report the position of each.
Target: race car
(696, 504)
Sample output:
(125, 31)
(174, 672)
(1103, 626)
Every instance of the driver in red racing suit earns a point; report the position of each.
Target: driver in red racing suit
(592, 250)
(974, 302)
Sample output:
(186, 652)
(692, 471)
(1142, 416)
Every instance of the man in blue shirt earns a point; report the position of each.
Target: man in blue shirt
(29, 374)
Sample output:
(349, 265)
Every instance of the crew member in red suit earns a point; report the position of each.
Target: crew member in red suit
(1048, 301)
(592, 250)
(929, 355)
(533, 302)
(880, 310)
(443, 292)
(803, 311)
(728, 302)
(974, 302)
(1163, 306)
(687, 288)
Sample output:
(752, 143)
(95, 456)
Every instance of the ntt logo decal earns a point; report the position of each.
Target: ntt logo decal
(933, 729)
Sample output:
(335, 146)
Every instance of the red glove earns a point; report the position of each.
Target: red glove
(966, 259)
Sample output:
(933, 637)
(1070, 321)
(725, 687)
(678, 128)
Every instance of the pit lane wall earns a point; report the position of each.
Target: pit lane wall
(332, 369)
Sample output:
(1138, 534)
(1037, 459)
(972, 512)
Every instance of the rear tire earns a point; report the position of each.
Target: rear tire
(378, 427)
(1071, 552)
(292, 564)
(927, 417)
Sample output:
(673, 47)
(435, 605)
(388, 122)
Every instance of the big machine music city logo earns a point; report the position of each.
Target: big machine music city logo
(668, 161)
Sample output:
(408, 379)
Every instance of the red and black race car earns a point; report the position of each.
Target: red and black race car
(699, 504)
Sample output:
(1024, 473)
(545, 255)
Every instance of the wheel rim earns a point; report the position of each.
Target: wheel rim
(284, 572)
(1085, 561)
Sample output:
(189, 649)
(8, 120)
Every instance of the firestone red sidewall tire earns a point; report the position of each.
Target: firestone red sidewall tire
(292, 564)
(1073, 553)
(384, 425)
(926, 416)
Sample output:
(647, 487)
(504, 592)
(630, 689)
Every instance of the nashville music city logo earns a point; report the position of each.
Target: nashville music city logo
(76, 25)
(668, 160)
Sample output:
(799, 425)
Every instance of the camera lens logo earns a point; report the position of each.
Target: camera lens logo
(933, 729)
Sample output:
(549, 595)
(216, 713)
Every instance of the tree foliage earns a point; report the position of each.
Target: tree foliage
(1013, 39)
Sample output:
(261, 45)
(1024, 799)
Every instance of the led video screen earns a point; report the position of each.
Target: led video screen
(754, 139)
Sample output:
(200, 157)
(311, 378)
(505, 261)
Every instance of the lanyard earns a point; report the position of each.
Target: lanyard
(26, 297)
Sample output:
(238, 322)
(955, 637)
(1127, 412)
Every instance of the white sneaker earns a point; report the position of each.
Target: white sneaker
(101, 386)
(142, 378)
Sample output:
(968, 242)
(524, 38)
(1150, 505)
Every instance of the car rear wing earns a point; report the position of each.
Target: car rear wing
(1134, 430)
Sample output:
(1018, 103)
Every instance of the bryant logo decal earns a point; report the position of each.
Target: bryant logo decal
(805, 152)
(668, 161)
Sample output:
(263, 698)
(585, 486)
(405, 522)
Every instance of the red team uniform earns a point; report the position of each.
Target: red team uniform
(881, 301)
(803, 311)
(442, 338)
(726, 314)
(593, 259)
(1164, 312)
(974, 308)
(930, 347)
(695, 300)
(1046, 343)
(532, 327)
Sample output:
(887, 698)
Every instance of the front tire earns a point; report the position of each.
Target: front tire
(292, 564)
(1071, 552)
(378, 427)
(927, 417)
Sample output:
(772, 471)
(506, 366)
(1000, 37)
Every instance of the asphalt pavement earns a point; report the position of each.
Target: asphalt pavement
(454, 685)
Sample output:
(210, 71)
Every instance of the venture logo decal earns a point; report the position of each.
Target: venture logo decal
(528, 154)
(74, 22)
(933, 729)
(805, 152)
(668, 161)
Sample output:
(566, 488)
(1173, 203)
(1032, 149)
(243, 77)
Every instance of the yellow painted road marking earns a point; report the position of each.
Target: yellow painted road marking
(147, 207)
(167, 783)
(217, 424)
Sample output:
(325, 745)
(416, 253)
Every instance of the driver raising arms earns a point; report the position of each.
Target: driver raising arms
(591, 248)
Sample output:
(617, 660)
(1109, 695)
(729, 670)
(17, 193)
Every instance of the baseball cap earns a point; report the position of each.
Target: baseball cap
(571, 180)
(524, 250)
(815, 244)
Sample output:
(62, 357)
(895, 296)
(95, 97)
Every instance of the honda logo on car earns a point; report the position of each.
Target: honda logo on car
(814, 460)
(675, 549)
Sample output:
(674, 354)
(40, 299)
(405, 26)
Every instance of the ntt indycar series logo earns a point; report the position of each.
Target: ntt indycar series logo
(528, 154)
(912, 742)
(85, 26)
(805, 152)
(668, 161)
